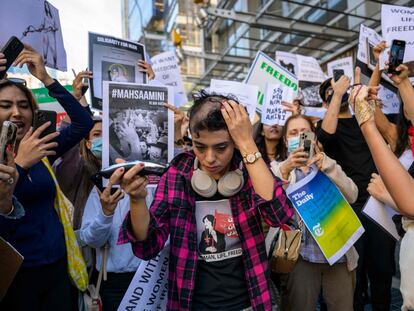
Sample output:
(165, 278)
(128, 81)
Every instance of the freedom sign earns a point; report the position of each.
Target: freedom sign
(266, 70)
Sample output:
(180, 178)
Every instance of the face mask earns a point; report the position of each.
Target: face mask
(344, 101)
(96, 147)
(293, 143)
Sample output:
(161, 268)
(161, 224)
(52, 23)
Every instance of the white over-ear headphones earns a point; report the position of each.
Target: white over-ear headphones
(206, 186)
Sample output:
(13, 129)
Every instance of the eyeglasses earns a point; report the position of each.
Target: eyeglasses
(14, 80)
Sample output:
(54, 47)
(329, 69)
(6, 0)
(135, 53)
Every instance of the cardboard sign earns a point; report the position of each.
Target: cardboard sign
(266, 70)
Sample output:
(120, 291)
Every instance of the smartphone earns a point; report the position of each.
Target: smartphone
(7, 139)
(396, 55)
(306, 141)
(43, 116)
(86, 86)
(337, 73)
(11, 50)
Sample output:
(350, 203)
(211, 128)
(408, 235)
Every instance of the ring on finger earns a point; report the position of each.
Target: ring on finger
(10, 181)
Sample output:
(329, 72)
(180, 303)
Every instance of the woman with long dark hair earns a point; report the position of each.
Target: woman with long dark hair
(39, 235)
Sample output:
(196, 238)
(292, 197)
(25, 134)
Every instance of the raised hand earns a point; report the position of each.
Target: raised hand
(363, 100)
(110, 201)
(32, 148)
(296, 159)
(34, 63)
(181, 122)
(378, 49)
(78, 84)
(145, 67)
(400, 76)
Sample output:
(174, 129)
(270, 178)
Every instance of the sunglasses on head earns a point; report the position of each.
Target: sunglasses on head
(14, 80)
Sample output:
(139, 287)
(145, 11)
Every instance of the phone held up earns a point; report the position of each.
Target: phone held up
(338, 73)
(43, 116)
(7, 139)
(11, 50)
(397, 51)
(306, 141)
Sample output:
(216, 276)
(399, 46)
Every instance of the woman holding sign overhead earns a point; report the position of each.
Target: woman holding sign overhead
(312, 271)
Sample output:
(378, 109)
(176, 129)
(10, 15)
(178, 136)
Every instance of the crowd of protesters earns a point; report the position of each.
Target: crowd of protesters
(223, 162)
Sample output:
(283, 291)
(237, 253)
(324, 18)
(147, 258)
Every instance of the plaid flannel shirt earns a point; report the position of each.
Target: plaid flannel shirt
(173, 213)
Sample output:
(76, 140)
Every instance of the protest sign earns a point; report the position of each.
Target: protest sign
(266, 70)
(273, 112)
(346, 64)
(167, 71)
(36, 23)
(309, 73)
(246, 94)
(136, 125)
(288, 61)
(368, 39)
(326, 214)
(113, 59)
(149, 287)
(397, 22)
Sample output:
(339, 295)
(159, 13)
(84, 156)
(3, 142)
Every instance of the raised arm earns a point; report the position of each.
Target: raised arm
(330, 121)
(81, 120)
(396, 179)
(387, 129)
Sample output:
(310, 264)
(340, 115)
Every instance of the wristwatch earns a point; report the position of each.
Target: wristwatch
(251, 157)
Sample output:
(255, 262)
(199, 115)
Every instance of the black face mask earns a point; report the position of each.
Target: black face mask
(344, 101)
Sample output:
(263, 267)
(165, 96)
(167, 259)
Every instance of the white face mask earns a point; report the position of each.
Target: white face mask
(293, 143)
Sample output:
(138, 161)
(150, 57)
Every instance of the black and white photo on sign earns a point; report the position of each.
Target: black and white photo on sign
(246, 94)
(273, 112)
(136, 125)
(288, 61)
(167, 71)
(113, 59)
(38, 25)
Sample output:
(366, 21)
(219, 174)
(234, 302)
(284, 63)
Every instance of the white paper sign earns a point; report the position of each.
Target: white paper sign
(390, 101)
(273, 112)
(366, 33)
(36, 23)
(309, 69)
(149, 287)
(397, 22)
(345, 64)
(245, 93)
(167, 71)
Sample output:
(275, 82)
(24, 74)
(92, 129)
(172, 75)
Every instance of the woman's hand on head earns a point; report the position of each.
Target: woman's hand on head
(35, 64)
(32, 148)
(238, 124)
